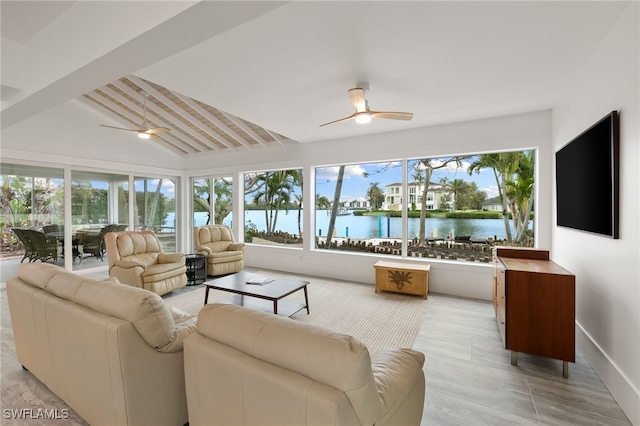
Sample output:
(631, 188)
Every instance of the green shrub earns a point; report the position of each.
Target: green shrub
(474, 215)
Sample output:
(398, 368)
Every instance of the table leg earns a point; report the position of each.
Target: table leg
(206, 295)
(275, 307)
(306, 299)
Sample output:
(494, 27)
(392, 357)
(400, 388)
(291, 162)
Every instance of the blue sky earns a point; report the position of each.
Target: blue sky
(355, 185)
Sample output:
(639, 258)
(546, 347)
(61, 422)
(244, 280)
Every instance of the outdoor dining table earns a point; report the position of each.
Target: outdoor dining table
(75, 242)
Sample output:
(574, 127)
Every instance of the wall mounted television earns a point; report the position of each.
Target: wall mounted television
(587, 179)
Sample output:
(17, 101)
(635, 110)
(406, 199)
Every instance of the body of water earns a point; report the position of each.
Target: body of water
(376, 226)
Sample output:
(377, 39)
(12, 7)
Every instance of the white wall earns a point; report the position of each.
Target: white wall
(607, 270)
(521, 131)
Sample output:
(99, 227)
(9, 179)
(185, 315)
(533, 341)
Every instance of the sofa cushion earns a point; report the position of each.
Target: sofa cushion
(39, 274)
(162, 271)
(140, 246)
(225, 256)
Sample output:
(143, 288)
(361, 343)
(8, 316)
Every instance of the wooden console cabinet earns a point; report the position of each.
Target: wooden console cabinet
(402, 277)
(534, 301)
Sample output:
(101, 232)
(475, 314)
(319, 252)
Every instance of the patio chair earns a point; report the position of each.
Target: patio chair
(29, 251)
(47, 229)
(43, 248)
(93, 244)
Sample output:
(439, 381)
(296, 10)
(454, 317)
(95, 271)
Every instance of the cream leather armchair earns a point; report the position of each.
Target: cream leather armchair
(223, 254)
(255, 368)
(136, 258)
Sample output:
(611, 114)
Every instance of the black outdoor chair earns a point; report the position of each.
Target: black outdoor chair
(47, 229)
(93, 244)
(29, 251)
(41, 247)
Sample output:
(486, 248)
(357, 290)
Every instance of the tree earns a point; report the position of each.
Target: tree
(423, 170)
(513, 172)
(223, 201)
(335, 205)
(520, 192)
(275, 191)
(322, 202)
(459, 189)
(375, 196)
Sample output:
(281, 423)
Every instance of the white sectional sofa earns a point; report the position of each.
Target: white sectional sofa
(111, 351)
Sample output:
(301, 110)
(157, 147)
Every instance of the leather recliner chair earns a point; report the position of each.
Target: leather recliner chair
(254, 368)
(223, 254)
(136, 258)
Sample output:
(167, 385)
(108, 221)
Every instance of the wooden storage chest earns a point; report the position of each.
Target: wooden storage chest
(398, 277)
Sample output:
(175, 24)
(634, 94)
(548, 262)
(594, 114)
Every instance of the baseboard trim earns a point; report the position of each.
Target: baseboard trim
(627, 397)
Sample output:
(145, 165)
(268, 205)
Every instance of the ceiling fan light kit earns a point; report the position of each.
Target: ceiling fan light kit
(363, 114)
(363, 118)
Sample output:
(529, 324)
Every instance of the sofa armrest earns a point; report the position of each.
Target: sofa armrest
(204, 250)
(170, 257)
(236, 247)
(396, 371)
(130, 264)
(185, 327)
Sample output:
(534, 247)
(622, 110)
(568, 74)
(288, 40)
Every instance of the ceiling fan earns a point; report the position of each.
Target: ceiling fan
(144, 131)
(363, 114)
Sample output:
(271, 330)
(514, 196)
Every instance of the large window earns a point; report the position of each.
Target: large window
(155, 209)
(212, 201)
(273, 207)
(456, 207)
(351, 201)
(31, 197)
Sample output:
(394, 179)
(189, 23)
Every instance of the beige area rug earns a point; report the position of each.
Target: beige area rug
(379, 320)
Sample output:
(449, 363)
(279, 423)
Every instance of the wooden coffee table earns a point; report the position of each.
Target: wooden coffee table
(267, 297)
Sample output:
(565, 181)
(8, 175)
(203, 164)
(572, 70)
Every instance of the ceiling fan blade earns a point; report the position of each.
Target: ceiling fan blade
(352, 116)
(157, 130)
(357, 99)
(392, 115)
(120, 128)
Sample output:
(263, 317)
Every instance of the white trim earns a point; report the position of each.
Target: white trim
(618, 384)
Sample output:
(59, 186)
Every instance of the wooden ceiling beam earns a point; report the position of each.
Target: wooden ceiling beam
(206, 114)
(180, 111)
(178, 128)
(248, 130)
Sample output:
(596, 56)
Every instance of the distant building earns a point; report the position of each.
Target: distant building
(359, 203)
(393, 196)
(492, 204)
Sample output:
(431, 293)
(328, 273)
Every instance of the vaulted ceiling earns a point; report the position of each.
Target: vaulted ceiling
(194, 127)
(232, 76)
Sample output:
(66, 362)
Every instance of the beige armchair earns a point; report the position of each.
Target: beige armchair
(254, 368)
(216, 242)
(136, 258)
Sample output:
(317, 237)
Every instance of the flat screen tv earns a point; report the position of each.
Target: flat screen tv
(587, 177)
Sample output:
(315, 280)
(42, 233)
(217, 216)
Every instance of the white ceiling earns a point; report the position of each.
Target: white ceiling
(287, 66)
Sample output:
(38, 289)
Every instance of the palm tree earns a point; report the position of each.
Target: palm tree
(457, 187)
(520, 192)
(375, 195)
(504, 166)
(322, 202)
(276, 190)
(335, 205)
